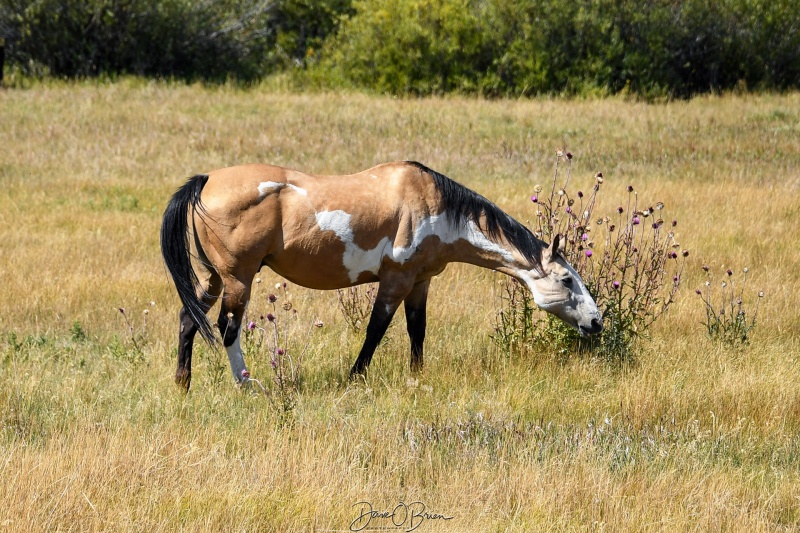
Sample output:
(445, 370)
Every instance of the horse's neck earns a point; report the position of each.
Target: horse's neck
(478, 249)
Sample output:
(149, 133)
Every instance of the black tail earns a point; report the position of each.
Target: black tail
(175, 249)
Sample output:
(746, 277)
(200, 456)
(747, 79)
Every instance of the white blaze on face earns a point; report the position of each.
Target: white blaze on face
(265, 187)
(357, 260)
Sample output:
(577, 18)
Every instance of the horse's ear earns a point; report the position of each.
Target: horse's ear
(555, 247)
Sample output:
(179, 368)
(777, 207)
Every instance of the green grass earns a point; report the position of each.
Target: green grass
(94, 435)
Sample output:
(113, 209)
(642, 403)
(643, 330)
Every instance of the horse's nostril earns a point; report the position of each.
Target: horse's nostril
(597, 325)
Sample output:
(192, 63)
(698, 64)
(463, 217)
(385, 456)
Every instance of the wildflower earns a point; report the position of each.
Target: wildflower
(279, 351)
(698, 291)
(705, 267)
(655, 225)
(685, 253)
(537, 189)
(615, 284)
(675, 279)
(646, 213)
(152, 304)
(580, 194)
(634, 249)
(270, 317)
(569, 155)
(534, 198)
(635, 221)
(585, 215)
(724, 284)
(674, 223)
(630, 188)
(708, 283)
(568, 209)
(245, 374)
(620, 210)
(585, 237)
(611, 227)
(251, 325)
(729, 272)
(272, 298)
(588, 253)
(673, 255)
(273, 362)
(571, 202)
(598, 177)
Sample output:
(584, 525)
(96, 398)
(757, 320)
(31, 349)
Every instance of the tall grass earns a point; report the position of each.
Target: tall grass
(94, 435)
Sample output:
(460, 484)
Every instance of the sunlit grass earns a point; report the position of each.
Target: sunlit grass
(94, 434)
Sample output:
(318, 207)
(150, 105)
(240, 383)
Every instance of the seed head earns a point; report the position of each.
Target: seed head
(705, 267)
(685, 253)
(660, 206)
(230, 315)
(146, 312)
(729, 272)
(569, 155)
(746, 270)
(272, 298)
(318, 323)
(270, 317)
(277, 286)
(620, 210)
(698, 291)
(630, 188)
(258, 280)
(537, 189)
(674, 223)
(580, 194)
(561, 192)
(675, 279)
(760, 294)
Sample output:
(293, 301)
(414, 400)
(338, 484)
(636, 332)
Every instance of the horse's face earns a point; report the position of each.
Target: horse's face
(561, 292)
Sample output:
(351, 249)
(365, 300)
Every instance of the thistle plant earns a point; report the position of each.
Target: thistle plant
(356, 303)
(629, 259)
(727, 320)
(277, 332)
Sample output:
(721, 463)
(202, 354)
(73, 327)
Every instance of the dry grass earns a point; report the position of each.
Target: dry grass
(95, 436)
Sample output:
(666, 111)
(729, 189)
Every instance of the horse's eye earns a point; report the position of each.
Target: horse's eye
(567, 282)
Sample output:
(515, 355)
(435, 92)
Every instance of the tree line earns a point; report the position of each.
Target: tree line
(650, 48)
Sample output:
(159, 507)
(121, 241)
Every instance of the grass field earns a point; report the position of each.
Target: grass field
(94, 434)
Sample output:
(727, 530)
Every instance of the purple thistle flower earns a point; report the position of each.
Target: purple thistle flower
(674, 223)
(675, 279)
(588, 253)
(584, 237)
(569, 155)
(270, 317)
(635, 221)
(705, 267)
(580, 194)
(534, 198)
(615, 284)
(729, 272)
(245, 374)
(568, 209)
(698, 291)
(279, 351)
(251, 325)
(685, 253)
(673, 255)
(655, 225)
(630, 188)
(273, 362)
(620, 210)
(272, 298)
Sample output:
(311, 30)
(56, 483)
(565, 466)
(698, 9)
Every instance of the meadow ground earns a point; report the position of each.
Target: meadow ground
(94, 434)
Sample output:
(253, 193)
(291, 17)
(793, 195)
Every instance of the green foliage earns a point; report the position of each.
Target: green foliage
(490, 47)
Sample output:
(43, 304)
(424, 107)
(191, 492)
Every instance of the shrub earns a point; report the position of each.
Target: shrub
(629, 261)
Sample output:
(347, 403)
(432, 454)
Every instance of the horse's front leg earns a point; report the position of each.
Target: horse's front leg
(392, 290)
(415, 305)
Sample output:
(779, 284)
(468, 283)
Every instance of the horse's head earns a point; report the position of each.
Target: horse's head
(559, 290)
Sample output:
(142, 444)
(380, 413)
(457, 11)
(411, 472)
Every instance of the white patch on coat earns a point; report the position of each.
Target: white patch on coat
(236, 359)
(357, 260)
(266, 186)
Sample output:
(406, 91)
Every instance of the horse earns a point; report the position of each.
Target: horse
(398, 224)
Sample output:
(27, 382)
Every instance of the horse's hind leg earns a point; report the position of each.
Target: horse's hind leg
(211, 286)
(234, 301)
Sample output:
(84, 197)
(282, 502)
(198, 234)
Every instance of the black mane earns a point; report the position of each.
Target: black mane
(464, 205)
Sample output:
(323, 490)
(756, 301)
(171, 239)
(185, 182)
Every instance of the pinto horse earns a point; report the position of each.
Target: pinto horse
(398, 224)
